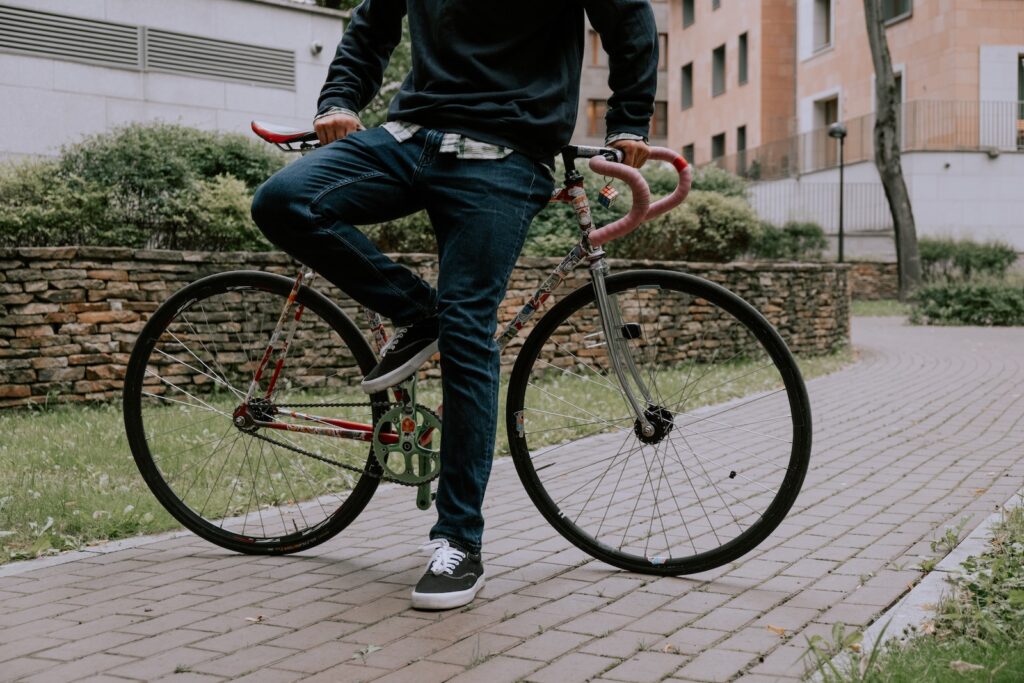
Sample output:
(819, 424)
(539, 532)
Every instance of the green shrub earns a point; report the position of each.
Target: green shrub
(39, 207)
(157, 185)
(409, 235)
(794, 241)
(667, 237)
(944, 258)
(711, 178)
(677, 235)
(976, 302)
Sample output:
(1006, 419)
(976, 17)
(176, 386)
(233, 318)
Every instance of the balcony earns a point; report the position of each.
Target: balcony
(924, 125)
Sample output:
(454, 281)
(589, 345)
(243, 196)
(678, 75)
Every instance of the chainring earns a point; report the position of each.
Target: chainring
(409, 461)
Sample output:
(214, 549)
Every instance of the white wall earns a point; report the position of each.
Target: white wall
(958, 194)
(997, 86)
(51, 102)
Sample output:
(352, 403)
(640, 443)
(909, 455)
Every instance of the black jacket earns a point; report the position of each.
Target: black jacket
(505, 72)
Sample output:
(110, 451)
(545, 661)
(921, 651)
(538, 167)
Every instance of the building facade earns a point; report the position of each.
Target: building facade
(755, 84)
(594, 90)
(72, 69)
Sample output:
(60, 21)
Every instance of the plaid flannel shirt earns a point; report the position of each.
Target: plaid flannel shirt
(456, 143)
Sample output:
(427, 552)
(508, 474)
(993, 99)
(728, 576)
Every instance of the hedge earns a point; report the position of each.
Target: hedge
(794, 241)
(945, 258)
(988, 302)
(169, 186)
(156, 185)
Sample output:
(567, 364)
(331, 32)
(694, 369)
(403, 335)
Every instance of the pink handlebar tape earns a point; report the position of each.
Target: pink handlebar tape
(642, 209)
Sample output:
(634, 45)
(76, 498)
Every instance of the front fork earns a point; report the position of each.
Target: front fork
(618, 350)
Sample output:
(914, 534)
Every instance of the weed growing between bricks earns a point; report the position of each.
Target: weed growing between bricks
(975, 636)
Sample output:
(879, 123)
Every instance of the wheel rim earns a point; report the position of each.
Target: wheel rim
(236, 482)
(729, 445)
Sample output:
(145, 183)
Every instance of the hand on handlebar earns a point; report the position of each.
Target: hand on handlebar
(635, 152)
(335, 127)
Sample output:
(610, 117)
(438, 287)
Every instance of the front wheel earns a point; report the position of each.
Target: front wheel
(730, 415)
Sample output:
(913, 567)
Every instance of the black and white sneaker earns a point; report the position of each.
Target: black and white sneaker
(453, 577)
(405, 352)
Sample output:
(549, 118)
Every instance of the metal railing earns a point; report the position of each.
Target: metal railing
(924, 125)
(865, 206)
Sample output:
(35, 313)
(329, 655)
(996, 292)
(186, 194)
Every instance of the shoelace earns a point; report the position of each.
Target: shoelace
(445, 557)
(393, 341)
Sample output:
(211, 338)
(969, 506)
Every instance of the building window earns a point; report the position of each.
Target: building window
(1020, 86)
(689, 13)
(718, 71)
(896, 9)
(741, 150)
(718, 146)
(743, 59)
(598, 57)
(822, 24)
(686, 81)
(715, 4)
(662, 51)
(825, 149)
(596, 110)
(1020, 102)
(688, 152)
(659, 122)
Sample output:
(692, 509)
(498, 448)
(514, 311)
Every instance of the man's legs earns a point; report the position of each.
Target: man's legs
(481, 210)
(309, 209)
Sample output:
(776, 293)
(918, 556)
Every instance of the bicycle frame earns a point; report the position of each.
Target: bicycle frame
(622, 363)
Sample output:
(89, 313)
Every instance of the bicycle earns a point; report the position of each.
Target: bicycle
(656, 420)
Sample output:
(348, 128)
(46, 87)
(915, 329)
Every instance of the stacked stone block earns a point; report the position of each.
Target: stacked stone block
(70, 315)
(871, 281)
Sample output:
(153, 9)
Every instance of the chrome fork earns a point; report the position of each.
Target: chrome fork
(618, 350)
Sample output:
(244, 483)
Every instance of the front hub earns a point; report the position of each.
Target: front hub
(660, 419)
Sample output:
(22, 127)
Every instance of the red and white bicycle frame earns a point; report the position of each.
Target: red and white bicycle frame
(588, 248)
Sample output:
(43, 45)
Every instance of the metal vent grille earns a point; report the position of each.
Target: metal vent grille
(182, 53)
(72, 38)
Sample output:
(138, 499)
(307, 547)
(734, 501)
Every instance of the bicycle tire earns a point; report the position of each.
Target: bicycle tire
(708, 298)
(136, 402)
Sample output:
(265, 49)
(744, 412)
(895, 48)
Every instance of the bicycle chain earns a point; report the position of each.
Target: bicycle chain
(330, 461)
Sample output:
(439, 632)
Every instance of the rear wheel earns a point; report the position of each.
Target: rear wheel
(731, 418)
(246, 488)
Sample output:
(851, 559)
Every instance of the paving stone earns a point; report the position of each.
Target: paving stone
(646, 667)
(500, 669)
(549, 645)
(163, 664)
(573, 668)
(420, 672)
(716, 665)
(474, 648)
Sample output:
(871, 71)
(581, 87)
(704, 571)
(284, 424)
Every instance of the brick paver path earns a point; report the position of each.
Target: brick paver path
(926, 430)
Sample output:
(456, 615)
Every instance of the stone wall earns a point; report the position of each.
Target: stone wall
(69, 315)
(872, 280)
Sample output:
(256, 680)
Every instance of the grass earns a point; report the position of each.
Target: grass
(881, 307)
(976, 633)
(67, 477)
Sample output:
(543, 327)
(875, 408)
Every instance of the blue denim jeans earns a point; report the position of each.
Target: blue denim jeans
(480, 210)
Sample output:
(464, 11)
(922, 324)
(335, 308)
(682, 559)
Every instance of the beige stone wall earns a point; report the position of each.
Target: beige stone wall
(69, 316)
(937, 48)
(872, 280)
(739, 105)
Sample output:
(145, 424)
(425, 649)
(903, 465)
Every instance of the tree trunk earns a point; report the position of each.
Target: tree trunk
(887, 153)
